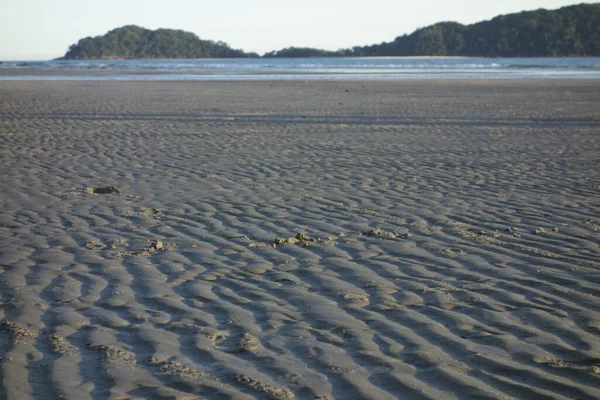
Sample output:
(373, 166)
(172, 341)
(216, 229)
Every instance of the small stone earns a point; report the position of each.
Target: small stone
(538, 231)
(257, 244)
(158, 245)
(302, 237)
(373, 232)
(285, 241)
(105, 190)
(554, 229)
(92, 245)
(249, 343)
(406, 236)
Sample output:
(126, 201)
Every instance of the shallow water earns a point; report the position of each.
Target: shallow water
(302, 68)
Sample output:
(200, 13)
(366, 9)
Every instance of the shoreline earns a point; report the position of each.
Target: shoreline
(288, 58)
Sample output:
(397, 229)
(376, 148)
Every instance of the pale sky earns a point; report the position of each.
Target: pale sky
(44, 29)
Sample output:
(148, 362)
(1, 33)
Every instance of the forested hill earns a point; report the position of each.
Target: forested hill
(568, 31)
(133, 42)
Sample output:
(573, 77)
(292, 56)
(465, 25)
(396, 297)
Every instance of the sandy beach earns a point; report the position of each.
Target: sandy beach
(293, 240)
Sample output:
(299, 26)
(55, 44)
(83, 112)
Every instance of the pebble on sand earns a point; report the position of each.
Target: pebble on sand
(158, 245)
(102, 190)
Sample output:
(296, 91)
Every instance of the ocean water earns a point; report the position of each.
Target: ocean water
(302, 68)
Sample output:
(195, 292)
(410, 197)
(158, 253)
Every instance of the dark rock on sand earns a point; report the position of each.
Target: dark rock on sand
(104, 190)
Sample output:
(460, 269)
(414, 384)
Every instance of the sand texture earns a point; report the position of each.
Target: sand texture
(292, 240)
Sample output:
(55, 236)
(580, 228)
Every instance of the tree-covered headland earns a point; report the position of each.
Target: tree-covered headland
(568, 31)
(134, 42)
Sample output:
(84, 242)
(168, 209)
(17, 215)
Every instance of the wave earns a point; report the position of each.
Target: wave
(317, 68)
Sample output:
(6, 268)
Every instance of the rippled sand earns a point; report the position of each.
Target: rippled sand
(325, 240)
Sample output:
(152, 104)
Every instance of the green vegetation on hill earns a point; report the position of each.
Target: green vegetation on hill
(568, 31)
(135, 42)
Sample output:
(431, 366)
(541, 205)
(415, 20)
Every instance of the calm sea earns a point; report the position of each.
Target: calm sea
(303, 68)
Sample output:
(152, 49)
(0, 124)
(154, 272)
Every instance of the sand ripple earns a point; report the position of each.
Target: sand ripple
(380, 240)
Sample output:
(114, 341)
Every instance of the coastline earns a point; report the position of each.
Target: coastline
(341, 239)
(310, 68)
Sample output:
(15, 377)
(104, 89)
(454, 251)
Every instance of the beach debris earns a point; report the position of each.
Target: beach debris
(272, 392)
(102, 190)
(249, 343)
(452, 251)
(357, 298)
(257, 244)
(174, 368)
(58, 344)
(157, 245)
(18, 333)
(538, 231)
(513, 231)
(592, 365)
(113, 244)
(93, 245)
(554, 229)
(240, 237)
(393, 235)
(291, 240)
(374, 284)
(113, 354)
(303, 238)
(215, 336)
(10, 303)
(406, 236)
(299, 238)
(147, 212)
(373, 232)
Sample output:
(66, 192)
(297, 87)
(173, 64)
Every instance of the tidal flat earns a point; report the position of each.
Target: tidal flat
(309, 240)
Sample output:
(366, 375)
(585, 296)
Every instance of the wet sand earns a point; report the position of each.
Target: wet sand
(279, 240)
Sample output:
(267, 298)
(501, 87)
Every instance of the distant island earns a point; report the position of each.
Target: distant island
(134, 42)
(568, 31)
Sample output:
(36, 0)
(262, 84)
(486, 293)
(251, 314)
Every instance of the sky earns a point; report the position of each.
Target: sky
(44, 29)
